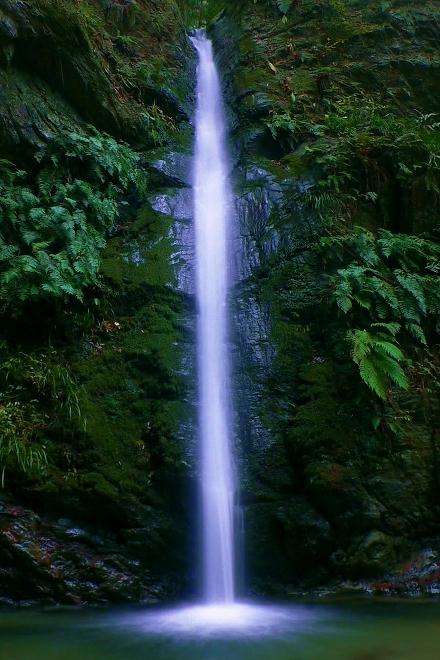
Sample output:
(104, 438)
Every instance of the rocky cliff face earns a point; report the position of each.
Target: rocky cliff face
(96, 390)
(337, 482)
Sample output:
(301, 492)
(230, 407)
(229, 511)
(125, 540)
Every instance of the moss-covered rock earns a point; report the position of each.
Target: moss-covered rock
(329, 470)
(98, 383)
(60, 562)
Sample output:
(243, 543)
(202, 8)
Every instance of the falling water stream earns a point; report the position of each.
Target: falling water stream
(211, 218)
(220, 612)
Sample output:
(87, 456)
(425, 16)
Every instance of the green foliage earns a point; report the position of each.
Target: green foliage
(52, 232)
(83, 14)
(282, 128)
(48, 247)
(338, 6)
(160, 127)
(389, 282)
(43, 376)
(284, 5)
(98, 157)
(362, 152)
(124, 12)
(199, 13)
(378, 360)
(145, 74)
(38, 395)
(363, 137)
(19, 424)
(388, 275)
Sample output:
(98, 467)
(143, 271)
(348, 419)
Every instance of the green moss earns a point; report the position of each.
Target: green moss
(111, 460)
(343, 92)
(128, 370)
(141, 261)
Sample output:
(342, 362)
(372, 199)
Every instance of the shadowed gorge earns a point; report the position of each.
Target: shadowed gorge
(219, 315)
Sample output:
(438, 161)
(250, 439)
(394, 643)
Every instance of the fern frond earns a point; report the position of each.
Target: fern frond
(373, 378)
(284, 5)
(392, 328)
(387, 366)
(413, 284)
(416, 331)
(387, 348)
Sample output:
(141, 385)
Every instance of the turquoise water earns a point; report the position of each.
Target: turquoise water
(349, 631)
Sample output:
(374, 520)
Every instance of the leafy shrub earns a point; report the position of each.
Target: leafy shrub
(52, 232)
(363, 139)
(20, 424)
(159, 126)
(38, 395)
(379, 280)
(389, 284)
(284, 5)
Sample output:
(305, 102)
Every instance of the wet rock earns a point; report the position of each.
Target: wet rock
(175, 168)
(30, 113)
(8, 28)
(372, 554)
(55, 562)
(420, 576)
(288, 541)
(308, 533)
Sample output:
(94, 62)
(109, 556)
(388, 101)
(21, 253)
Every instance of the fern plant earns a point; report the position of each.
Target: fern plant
(282, 128)
(362, 146)
(379, 360)
(284, 5)
(389, 286)
(96, 156)
(52, 232)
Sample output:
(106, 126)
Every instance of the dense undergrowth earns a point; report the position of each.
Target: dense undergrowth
(336, 103)
(90, 394)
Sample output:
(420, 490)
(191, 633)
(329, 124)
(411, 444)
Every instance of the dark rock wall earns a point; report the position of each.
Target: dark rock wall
(120, 462)
(327, 492)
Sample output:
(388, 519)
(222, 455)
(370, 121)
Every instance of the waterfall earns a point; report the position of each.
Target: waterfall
(212, 211)
(220, 613)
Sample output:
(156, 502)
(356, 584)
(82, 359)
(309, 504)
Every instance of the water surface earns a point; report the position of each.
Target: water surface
(302, 631)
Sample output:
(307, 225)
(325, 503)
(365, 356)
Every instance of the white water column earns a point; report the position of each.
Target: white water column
(212, 210)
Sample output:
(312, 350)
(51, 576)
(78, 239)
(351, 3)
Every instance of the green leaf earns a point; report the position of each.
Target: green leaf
(284, 5)
(388, 348)
(373, 378)
(416, 331)
(392, 328)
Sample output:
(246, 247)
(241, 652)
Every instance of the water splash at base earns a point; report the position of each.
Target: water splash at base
(229, 620)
